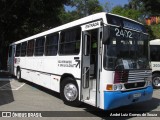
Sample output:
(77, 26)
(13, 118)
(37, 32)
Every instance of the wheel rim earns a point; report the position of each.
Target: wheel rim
(70, 92)
(156, 81)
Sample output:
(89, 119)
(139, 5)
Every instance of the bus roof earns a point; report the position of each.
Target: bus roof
(155, 42)
(97, 16)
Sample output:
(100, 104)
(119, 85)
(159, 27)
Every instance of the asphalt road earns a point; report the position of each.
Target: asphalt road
(21, 100)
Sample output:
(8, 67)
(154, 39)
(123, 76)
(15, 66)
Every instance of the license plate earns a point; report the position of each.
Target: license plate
(136, 95)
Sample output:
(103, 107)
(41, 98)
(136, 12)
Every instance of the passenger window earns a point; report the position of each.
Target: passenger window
(51, 45)
(23, 49)
(30, 48)
(18, 48)
(70, 41)
(39, 46)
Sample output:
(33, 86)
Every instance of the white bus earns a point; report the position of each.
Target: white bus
(101, 60)
(155, 62)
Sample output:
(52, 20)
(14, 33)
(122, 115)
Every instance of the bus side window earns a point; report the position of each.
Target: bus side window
(70, 41)
(51, 45)
(23, 49)
(39, 46)
(155, 53)
(30, 48)
(18, 50)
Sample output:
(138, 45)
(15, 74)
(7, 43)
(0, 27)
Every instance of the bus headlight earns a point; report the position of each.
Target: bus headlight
(117, 87)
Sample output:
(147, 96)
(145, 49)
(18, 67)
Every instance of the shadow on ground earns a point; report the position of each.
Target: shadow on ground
(130, 111)
(90, 111)
(6, 95)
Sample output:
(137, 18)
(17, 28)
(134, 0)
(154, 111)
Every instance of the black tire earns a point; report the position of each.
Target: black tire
(156, 81)
(18, 75)
(69, 92)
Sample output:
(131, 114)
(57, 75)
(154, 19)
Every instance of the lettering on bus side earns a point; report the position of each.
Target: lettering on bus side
(69, 63)
(156, 65)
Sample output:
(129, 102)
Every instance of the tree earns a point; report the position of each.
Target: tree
(130, 13)
(152, 7)
(82, 9)
(23, 18)
(107, 6)
(86, 7)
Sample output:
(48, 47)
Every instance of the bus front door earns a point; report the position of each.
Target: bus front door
(86, 65)
(90, 67)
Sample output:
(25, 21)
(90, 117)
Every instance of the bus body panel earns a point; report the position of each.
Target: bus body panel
(47, 71)
(118, 99)
(113, 99)
(155, 62)
(155, 66)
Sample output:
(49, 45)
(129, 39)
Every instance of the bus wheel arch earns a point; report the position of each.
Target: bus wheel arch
(156, 79)
(69, 90)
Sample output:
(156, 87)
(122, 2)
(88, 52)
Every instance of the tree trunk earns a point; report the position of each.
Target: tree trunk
(3, 53)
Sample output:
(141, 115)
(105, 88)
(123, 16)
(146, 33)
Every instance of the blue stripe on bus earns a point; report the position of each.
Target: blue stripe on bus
(117, 98)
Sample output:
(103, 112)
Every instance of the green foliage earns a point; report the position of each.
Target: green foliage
(22, 18)
(152, 7)
(107, 7)
(82, 9)
(69, 16)
(130, 13)
(86, 7)
(156, 31)
(25, 18)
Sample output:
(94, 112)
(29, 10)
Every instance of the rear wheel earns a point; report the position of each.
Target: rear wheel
(19, 75)
(69, 92)
(156, 81)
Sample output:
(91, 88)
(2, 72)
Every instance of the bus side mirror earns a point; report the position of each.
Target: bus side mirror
(106, 34)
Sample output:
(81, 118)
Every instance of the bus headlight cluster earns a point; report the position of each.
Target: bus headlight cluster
(117, 87)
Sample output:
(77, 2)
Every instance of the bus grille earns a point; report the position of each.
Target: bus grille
(138, 75)
(137, 79)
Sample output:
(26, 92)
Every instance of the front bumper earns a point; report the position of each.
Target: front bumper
(118, 98)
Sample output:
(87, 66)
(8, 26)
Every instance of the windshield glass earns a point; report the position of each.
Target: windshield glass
(126, 49)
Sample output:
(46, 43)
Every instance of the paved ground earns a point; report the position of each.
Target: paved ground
(25, 97)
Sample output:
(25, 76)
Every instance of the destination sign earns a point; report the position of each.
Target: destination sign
(92, 25)
(132, 25)
(126, 23)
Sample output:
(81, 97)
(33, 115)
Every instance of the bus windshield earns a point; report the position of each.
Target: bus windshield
(126, 49)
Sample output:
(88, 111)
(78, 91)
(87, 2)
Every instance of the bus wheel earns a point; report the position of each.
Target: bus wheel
(156, 81)
(19, 76)
(69, 92)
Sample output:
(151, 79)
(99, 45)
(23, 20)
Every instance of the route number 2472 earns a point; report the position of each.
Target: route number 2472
(123, 33)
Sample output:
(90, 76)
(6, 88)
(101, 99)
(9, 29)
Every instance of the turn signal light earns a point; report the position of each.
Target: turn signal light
(109, 87)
